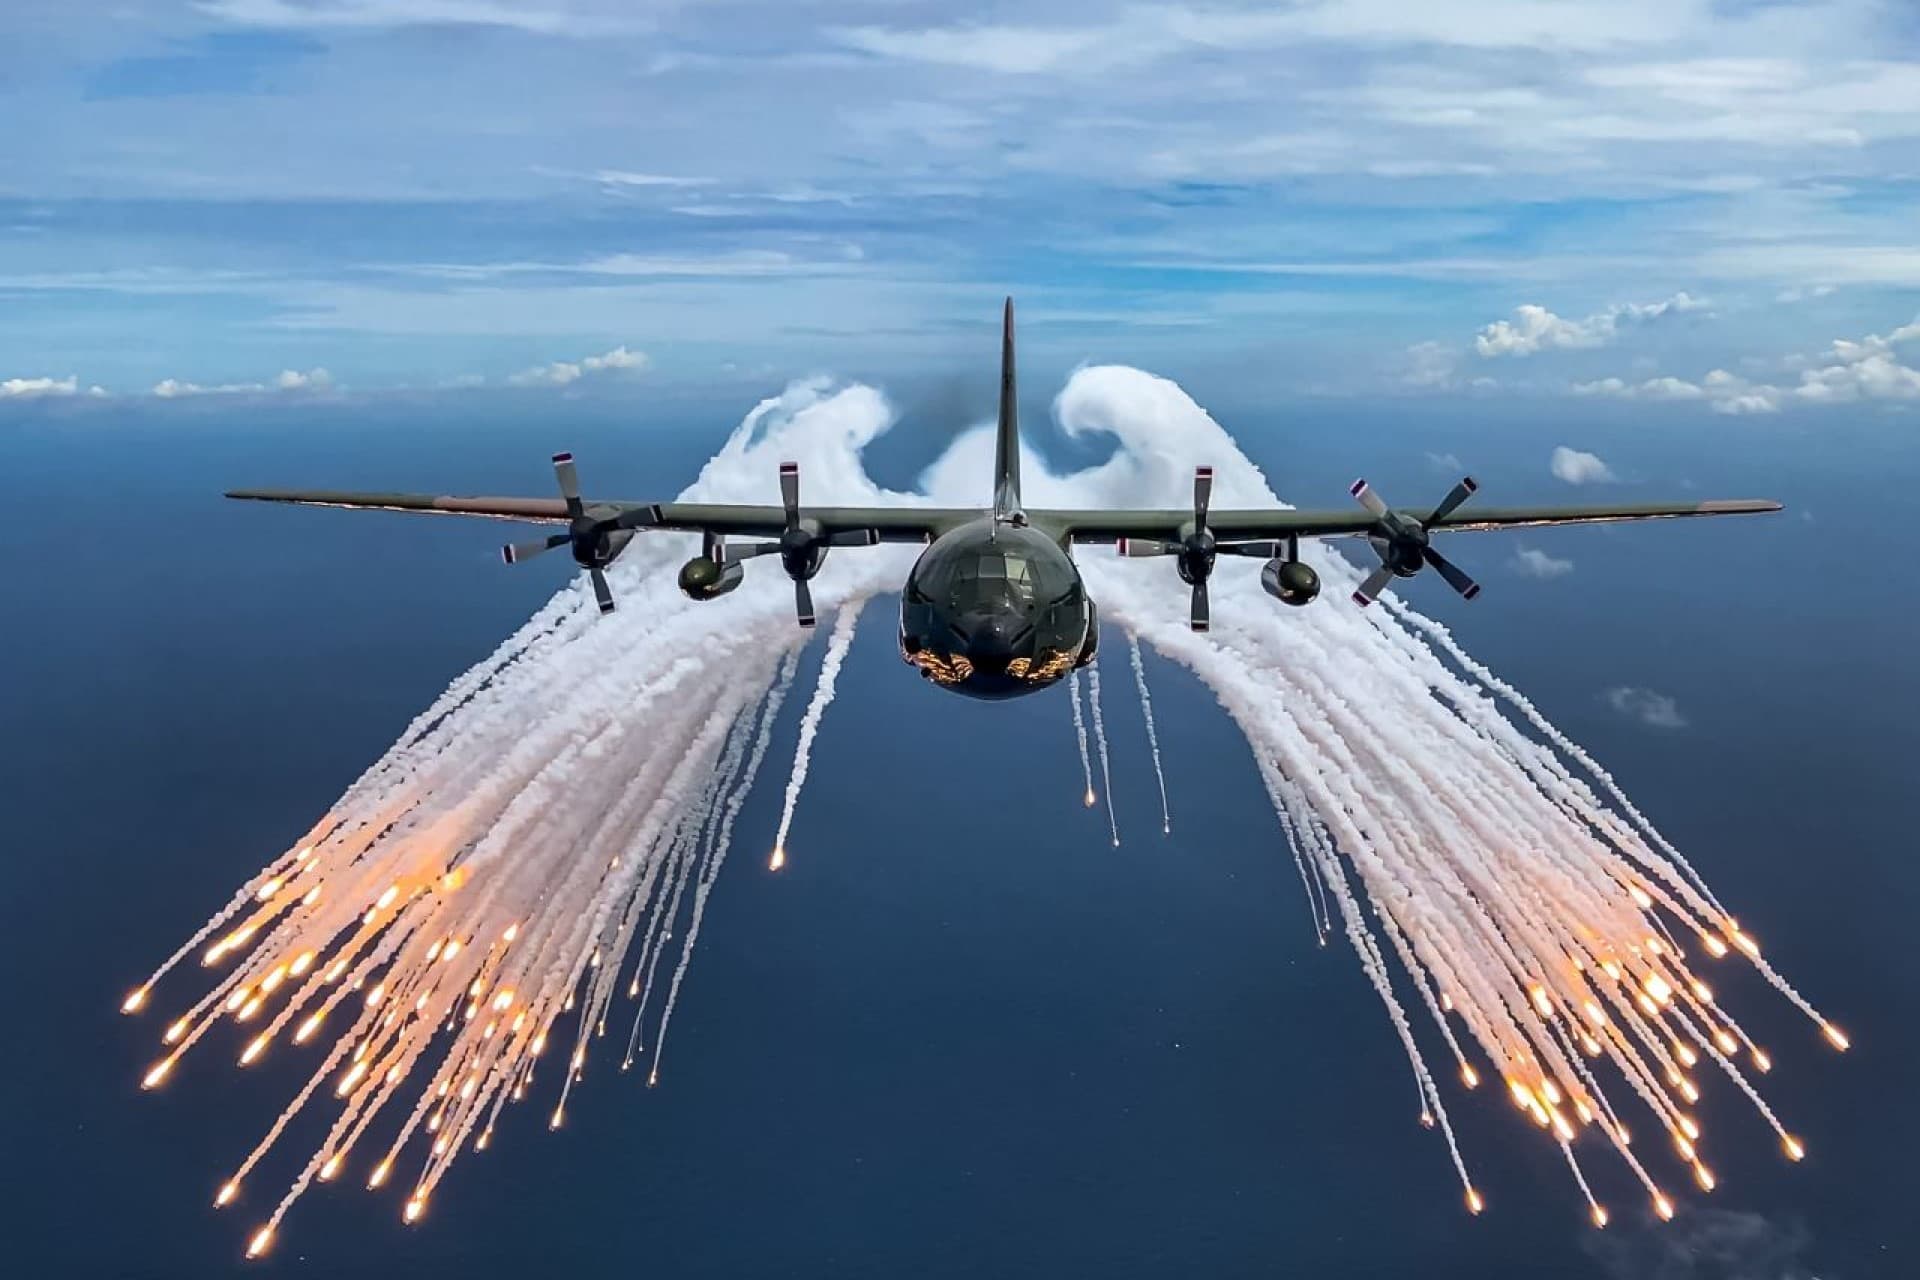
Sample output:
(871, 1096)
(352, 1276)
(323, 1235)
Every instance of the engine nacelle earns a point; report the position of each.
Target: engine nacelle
(1290, 581)
(703, 578)
(595, 548)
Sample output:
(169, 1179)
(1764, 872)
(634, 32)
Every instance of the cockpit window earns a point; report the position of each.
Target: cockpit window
(1020, 568)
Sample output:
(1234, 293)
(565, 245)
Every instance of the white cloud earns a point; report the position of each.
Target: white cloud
(562, 373)
(1845, 373)
(1649, 708)
(1003, 49)
(1534, 328)
(625, 178)
(1534, 563)
(1430, 364)
(287, 380)
(742, 262)
(39, 388)
(1576, 467)
(1805, 293)
(1142, 34)
(1445, 462)
(534, 18)
(1652, 389)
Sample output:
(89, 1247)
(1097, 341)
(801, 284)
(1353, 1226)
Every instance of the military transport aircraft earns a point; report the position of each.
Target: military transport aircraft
(995, 606)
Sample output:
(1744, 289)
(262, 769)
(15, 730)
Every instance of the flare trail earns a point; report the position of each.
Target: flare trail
(464, 913)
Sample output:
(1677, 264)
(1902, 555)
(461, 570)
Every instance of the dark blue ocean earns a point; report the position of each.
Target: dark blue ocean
(952, 1039)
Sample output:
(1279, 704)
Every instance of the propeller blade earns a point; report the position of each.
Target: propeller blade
(517, 552)
(601, 591)
(1138, 548)
(569, 477)
(790, 492)
(1202, 616)
(1461, 492)
(1202, 495)
(803, 602)
(1258, 550)
(1375, 584)
(1456, 576)
(1363, 494)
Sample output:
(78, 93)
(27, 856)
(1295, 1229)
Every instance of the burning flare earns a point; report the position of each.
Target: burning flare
(524, 853)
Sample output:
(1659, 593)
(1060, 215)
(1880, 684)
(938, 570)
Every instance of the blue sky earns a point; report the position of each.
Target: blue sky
(1704, 201)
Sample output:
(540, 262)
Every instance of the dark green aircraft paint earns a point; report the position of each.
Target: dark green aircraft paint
(995, 606)
(995, 610)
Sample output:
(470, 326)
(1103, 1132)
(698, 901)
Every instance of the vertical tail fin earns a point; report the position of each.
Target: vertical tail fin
(1006, 450)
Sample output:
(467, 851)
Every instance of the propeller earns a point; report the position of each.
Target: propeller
(1197, 550)
(594, 542)
(803, 545)
(1404, 546)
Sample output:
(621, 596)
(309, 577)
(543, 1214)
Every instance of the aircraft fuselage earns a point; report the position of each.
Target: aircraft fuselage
(996, 609)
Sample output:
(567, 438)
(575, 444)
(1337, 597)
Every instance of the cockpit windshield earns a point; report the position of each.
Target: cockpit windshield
(971, 578)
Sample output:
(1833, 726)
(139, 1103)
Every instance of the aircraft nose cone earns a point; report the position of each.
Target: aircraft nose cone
(990, 639)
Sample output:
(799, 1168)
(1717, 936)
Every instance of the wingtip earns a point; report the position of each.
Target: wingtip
(1742, 506)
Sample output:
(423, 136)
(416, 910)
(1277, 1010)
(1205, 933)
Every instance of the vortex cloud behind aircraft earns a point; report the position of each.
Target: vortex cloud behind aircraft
(453, 935)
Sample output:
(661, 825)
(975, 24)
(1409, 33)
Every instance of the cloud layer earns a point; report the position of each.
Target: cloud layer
(1847, 372)
(1328, 196)
(287, 380)
(39, 388)
(1534, 328)
(563, 373)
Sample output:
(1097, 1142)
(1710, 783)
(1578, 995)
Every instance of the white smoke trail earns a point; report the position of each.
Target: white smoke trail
(1499, 878)
(837, 645)
(1080, 733)
(489, 876)
(1100, 740)
(1153, 736)
(717, 856)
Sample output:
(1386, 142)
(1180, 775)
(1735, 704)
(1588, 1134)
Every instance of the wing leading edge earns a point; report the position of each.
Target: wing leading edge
(888, 524)
(1225, 525)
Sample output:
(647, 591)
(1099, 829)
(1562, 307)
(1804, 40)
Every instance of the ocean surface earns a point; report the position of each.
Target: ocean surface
(949, 1040)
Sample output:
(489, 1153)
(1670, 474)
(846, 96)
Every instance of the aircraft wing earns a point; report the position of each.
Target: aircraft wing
(884, 524)
(1230, 525)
